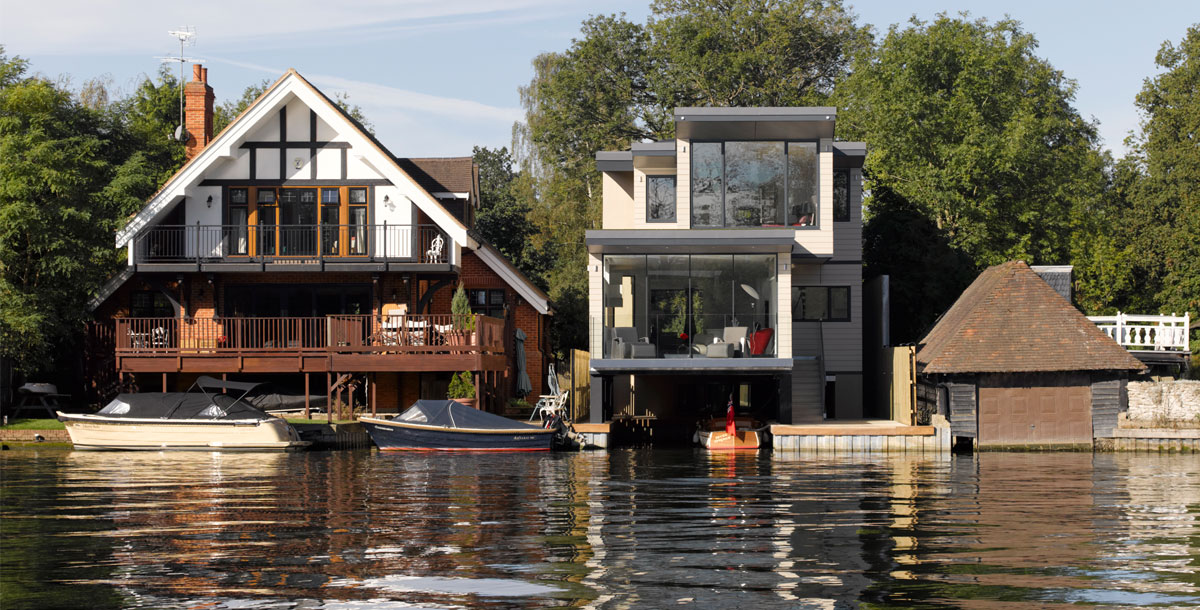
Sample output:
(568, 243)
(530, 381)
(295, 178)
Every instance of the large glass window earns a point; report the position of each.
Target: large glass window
(660, 198)
(267, 210)
(358, 221)
(681, 306)
(239, 211)
(708, 184)
(755, 184)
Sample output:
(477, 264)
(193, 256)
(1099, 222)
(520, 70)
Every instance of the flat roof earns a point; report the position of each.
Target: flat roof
(767, 113)
(663, 148)
(658, 241)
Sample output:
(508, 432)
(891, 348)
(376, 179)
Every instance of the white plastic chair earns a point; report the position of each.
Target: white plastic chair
(434, 253)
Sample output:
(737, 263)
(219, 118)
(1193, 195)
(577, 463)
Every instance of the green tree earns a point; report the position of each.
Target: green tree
(53, 225)
(964, 121)
(503, 218)
(1164, 164)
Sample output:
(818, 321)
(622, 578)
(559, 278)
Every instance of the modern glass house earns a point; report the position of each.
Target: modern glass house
(729, 267)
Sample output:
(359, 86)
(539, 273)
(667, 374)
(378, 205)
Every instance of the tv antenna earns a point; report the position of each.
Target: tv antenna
(187, 38)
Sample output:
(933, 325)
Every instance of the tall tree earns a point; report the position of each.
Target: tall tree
(503, 218)
(52, 224)
(1165, 200)
(977, 135)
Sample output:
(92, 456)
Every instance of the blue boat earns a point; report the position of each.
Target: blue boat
(446, 425)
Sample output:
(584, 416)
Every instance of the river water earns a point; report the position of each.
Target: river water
(618, 529)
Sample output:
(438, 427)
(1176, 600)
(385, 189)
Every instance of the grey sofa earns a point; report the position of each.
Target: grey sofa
(626, 344)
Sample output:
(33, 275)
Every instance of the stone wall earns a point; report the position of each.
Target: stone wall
(1164, 402)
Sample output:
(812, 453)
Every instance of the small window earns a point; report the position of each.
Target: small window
(660, 198)
(821, 303)
(841, 196)
(150, 304)
(487, 302)
(238, 197)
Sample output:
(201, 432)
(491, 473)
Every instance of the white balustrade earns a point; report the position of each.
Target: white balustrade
(1159, 333)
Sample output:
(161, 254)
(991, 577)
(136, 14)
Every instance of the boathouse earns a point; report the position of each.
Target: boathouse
(293, 247)
(1014, 363)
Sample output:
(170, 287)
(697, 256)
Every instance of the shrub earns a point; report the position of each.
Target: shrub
(462, 385)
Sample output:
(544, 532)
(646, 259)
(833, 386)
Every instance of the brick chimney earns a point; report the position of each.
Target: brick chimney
(198, 111)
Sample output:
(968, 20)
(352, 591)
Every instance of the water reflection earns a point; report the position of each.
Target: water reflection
(624, 529)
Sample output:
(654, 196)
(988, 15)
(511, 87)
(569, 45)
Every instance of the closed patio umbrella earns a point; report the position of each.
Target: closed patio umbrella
(524, 387)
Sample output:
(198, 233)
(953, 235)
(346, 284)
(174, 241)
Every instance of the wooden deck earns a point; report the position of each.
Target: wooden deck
(418, 343)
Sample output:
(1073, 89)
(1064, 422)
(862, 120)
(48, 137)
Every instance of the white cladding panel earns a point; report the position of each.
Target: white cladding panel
(595, 305)
(267, 164)
(329, 164)
(298, 121)
(267, 131)
(617, 198)
(237, 168)
(357, 170)
(819, 241)
(325, 133)
(683, 184)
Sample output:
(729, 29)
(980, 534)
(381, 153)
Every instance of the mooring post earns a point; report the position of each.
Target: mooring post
(307, 413)
(328, 397)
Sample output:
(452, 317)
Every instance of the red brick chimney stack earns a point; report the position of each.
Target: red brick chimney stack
(198, 111)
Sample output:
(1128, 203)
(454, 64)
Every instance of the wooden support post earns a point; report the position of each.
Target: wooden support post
(164, 375)
(307, 413)
(374, 392)
(328, 397)
(478, 396)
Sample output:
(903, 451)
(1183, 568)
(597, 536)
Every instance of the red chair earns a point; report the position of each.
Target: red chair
(759, 341)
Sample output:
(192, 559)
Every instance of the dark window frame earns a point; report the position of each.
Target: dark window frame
(674, 197)
(489, 307)
(841, 209)
(157, 305)
(816, 225)
(828, 317)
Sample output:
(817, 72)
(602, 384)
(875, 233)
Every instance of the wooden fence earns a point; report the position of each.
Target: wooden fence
(897, 383)
(581, 384)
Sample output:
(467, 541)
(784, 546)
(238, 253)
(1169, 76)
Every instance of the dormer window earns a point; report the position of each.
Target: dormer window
(754, 184)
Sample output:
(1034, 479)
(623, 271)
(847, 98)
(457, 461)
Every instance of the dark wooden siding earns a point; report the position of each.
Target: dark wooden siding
(963, 418)
(1106, 404)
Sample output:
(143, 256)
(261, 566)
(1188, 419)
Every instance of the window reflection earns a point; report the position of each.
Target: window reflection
(755, 184)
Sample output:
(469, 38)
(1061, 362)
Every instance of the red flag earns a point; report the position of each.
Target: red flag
(730, 426)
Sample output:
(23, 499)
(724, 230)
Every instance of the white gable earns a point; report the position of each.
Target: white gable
(299, 101)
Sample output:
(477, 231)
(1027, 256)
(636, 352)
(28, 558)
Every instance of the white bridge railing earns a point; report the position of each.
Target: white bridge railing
(1158, 333)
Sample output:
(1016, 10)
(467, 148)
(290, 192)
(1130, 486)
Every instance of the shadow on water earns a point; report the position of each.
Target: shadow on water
(622, 529)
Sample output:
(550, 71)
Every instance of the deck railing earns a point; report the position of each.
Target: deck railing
(1158, 333)
(426, 334)
(234, 243)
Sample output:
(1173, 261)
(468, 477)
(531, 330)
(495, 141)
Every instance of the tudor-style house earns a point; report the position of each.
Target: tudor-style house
(294, 248)
(729, 268)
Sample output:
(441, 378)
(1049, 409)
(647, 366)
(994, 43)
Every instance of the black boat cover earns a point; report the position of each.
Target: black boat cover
(453, 414)
(181, 405)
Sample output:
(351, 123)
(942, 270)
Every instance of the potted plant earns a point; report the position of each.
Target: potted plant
(462, 389)
(462, 319)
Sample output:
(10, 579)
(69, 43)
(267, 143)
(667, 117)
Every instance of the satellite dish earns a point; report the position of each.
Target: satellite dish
(181, 134)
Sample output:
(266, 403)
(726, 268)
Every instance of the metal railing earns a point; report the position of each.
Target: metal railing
(186, 243)
(427, 333)
(1158, 333)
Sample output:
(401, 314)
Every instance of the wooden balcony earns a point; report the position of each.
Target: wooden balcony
(239, 248)
(339, 343)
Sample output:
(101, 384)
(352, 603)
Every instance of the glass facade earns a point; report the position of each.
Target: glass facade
(755, 184)
(689, 306)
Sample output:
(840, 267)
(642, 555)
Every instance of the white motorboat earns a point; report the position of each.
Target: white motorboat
(205, 420)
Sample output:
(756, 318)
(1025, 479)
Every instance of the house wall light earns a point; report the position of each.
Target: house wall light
(209, 202)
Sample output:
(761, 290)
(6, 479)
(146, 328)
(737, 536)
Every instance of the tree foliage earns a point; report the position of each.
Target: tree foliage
(227, 111)
(964, 121)
(1163, 169)
(503, 218)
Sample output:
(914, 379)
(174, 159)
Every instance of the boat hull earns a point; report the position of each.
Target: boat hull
(391, 435)
(720, 440)
(100, 433)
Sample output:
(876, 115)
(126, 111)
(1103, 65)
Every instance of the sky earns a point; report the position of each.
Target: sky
(438, 77)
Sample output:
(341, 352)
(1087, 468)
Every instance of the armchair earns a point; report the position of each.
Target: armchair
(626, 344)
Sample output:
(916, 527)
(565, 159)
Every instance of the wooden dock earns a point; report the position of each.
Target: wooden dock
(851, 436)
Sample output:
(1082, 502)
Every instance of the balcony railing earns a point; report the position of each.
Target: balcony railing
(1158, 333)
(400, 334)
(234, 243)
(695, 336)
